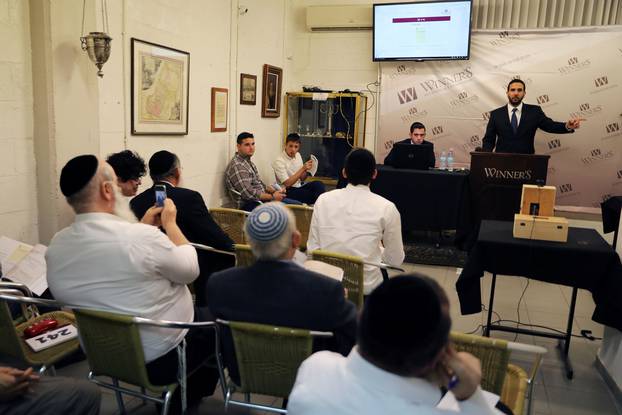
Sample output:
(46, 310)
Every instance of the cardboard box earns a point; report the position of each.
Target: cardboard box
(542, 228)
(537, 200)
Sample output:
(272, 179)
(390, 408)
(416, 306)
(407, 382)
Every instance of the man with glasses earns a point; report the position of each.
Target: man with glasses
(129, 168)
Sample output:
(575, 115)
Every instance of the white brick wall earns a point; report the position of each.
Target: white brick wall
(18, 208)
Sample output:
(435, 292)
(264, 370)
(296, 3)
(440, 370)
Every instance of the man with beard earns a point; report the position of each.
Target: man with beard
(193, 217)
(512, 127)
(105, 261)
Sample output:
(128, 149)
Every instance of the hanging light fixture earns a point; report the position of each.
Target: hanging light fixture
(97, 44)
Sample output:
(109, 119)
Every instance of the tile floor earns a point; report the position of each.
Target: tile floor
(543, 304)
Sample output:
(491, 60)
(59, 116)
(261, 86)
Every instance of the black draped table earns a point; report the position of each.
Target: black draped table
(585, 261)
(426, 199)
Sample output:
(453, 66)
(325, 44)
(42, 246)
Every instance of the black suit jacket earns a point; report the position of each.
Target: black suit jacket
(282, 293)
(500, 137)
(389, 159)
(198, 226)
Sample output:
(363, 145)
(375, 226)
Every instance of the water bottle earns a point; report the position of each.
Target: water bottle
(443, 161)
(450, 159)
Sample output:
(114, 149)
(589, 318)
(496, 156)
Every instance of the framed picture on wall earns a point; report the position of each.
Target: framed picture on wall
(160, 84)
(220, 100)
(248, 89)
(271, 91)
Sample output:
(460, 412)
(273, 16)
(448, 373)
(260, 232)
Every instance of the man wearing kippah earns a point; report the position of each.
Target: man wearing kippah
(401, 364)
(193, 217)
(277, 291)
(104, 260)
(242, 178)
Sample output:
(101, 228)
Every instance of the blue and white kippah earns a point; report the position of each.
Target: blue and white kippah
(266, 222)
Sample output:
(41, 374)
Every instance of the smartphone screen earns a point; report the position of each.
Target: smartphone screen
(160, 194)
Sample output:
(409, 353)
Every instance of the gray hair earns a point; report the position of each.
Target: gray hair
(79, 201)
(169, 173)
(277, 248)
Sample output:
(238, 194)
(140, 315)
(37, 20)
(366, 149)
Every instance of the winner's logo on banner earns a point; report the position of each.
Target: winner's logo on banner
(453, 99)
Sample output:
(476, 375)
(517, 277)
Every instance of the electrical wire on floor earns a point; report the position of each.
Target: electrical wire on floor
(584, 334)
(518, 307)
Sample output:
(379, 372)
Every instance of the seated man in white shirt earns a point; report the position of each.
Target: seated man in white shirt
(355, 221)
(290, 172)
(401, 361)
(105, 261)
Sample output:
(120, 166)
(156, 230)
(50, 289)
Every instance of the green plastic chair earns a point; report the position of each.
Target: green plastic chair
(13, 343)
(353, 277)
(113, 348)
(499, 376)
(231, 221)
(244, 256)
(303, 216)
(268, 358)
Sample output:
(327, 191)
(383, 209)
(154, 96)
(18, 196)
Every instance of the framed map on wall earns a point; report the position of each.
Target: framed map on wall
(160, 84)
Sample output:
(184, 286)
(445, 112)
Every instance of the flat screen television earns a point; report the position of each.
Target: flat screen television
(431, 30)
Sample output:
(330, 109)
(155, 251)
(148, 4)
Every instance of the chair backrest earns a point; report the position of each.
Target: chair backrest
(10, 344)
(113, 347)
(303, 216)
(244, 256)
(353, 278)
(268, 357)
(493, 354)
(231, 221)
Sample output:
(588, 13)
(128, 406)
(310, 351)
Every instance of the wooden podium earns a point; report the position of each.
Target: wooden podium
(497, 179)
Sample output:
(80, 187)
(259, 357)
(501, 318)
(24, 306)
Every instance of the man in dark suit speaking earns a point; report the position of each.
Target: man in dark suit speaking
(512, 127)
(417, 137)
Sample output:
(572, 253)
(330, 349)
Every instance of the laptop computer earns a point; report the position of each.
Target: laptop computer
(411, 156)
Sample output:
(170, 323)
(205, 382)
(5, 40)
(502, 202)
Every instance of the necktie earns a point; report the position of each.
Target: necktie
(514, 121)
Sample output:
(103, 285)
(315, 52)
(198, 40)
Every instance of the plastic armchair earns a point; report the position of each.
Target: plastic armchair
(13, 343)
(231, 221)
(303, 216)
(113, 348)
(268, 358)
(507, 380)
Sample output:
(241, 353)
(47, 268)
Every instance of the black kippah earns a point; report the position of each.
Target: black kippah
(161, 162)
(77, 173)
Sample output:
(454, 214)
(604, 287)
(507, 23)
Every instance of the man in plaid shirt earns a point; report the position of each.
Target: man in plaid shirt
(242, 178)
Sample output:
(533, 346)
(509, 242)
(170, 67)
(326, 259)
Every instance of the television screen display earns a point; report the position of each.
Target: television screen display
(435, 30)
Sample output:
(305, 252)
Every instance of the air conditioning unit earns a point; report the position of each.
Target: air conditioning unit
(339, 18)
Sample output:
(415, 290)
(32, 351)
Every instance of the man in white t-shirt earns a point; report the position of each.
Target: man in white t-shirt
(290, 172)
(105, 261)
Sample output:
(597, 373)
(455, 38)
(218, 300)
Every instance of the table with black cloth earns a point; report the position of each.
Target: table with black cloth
(426, 199)
(610, 209)
(585, 261)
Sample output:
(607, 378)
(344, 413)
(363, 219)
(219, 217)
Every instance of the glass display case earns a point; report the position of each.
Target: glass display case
(329, 124)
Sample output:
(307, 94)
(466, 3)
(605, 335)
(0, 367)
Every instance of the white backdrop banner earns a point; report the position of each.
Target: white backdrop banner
(569, 73)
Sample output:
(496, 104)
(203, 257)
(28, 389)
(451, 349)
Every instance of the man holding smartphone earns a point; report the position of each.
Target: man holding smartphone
(106, 262)
(291, 172)
(401, 361)
(192, 215)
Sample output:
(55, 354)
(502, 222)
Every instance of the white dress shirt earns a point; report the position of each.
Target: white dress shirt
(103, 262)
(355, 221)
(328, 383)
(285, 166)
(519, 111)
